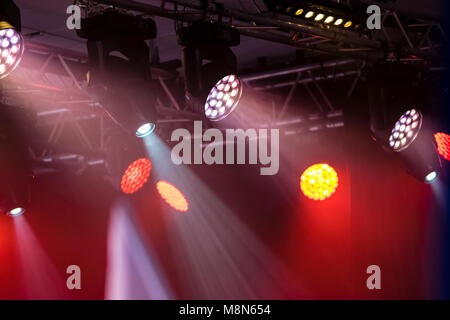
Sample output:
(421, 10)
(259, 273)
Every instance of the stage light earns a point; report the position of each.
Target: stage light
(16, 212)
(349, 15)
(338, 22)
(443, 144)
(11, 40)
(223, 98)
(319, 17)
(145, 130)
(399, 120)
(120, 70)
(319, 182)
(405, 130)
(207, 58)
(136, 176)
(16, 173)
(329, 19)
(431, 177)
(172, 196)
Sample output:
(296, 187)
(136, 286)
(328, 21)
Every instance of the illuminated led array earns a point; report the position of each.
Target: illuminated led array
(405, 130)
(319, 182)
(11, 51)
(172, 196)
(223, 98)
(443, 144)
(321, 17)
(136, 176)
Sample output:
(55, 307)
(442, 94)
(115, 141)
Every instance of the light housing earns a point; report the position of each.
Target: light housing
(399, 120)
(16, 173)
(120, 71)
(207, 58)
(11, 40)
(232, 103)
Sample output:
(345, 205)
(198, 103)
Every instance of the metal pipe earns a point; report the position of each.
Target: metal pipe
(303, 81)
(310, 67)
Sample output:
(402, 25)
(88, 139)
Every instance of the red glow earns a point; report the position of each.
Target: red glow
(443, 143)
(174, 197)
(136, 176)
(319, 182)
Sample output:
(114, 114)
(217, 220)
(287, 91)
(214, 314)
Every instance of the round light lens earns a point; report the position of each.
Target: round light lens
(11, 51)
(309, 14)
(319, 17)
(338, 22)
(405, 130)
(145, 130)
(223, 98)
(329, 19)
(319, 181)
(16, 212)
(136, 176)
(431, 177)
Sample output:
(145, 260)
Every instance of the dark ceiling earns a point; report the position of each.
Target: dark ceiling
(49, 18)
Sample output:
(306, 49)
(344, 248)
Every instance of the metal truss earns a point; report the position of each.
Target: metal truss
(408, 38)
(54, 86)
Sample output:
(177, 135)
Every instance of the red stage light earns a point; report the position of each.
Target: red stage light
(319, 182)
(174, 197)
(443, 144)
(136, 176)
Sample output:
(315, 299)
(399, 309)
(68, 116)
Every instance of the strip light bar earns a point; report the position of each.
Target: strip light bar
(326, 13)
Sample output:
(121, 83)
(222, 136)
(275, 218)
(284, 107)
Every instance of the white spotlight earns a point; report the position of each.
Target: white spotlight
(12, 48)
(223, 98)
(405, 130)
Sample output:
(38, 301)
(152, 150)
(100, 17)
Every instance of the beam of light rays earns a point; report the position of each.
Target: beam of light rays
(132, 272)
(221, 257)
(440, 193)
(41, 279)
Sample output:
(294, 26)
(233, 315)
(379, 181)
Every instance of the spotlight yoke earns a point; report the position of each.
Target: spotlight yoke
(323, 12)
(207, 58)
(114, 25)
(120, 71)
